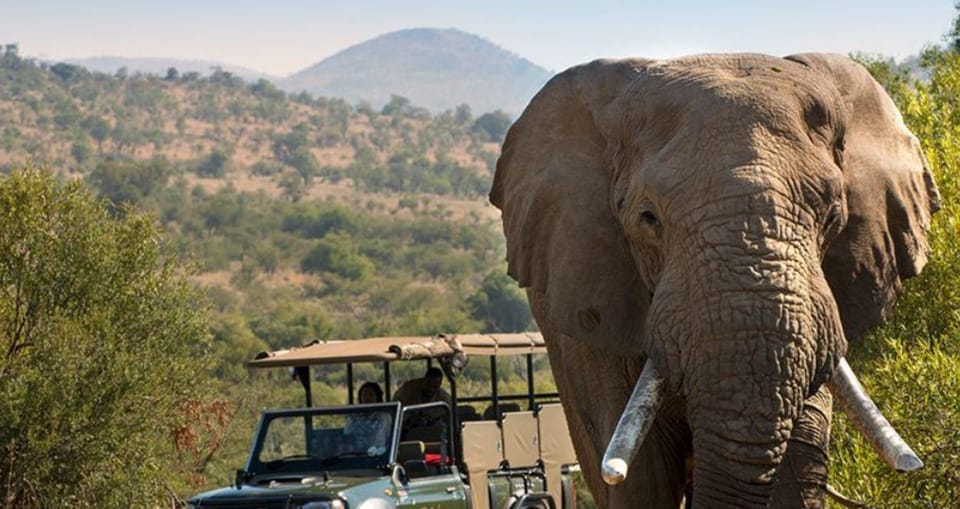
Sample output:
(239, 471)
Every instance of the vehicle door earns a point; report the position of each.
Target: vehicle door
(424, 448)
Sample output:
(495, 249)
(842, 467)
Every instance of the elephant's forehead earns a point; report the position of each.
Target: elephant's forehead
(709, 85)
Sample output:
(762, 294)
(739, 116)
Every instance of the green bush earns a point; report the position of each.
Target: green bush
(337, 255)
(104, 339)
(910, 365)
(215, 165)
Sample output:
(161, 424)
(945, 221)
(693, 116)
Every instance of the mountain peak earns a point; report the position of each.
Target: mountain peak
(433, 67)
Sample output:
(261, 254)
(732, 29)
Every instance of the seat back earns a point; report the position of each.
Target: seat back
(410, 450)
(467, 413)
(416, 468)
(521, 439)
(424, 434)
(556, 447)
(489, 414)
(482, 451)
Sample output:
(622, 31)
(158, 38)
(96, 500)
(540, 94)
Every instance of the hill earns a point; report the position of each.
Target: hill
(158, 66)
(217, 130)
(434, 68)
(305, 216)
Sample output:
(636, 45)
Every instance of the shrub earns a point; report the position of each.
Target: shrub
(104, 338)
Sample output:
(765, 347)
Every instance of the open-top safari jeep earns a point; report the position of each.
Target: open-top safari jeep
(504, 458)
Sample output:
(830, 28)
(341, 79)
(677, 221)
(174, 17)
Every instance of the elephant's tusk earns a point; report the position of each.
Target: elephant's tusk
(867, 418)
(635, 422)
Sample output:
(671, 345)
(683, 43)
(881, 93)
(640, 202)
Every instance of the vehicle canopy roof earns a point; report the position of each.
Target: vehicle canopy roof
(402, 348)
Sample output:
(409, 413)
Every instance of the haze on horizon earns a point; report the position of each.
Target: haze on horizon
(284, 36)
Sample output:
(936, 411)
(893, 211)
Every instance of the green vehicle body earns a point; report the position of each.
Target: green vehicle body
(309, 482)
(307, 458)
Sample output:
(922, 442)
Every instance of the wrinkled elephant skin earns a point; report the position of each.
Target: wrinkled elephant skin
(734, 220)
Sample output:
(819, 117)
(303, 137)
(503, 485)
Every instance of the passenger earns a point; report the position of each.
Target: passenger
(368, 429)
(424, 390)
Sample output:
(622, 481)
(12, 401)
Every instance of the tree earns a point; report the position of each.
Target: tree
(500, 305)
(67, 72)
(102, 337)
(214, 165)
(463, 115)
(123, 181)
(293, 149)
(336, 254)
(98, 128)
(80, 150)
(494, 125)
(398, 105)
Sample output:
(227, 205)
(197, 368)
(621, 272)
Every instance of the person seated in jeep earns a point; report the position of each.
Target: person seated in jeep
(424, 390)
(368, 428)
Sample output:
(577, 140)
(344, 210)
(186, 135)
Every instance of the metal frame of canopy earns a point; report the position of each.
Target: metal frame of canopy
(450, 350)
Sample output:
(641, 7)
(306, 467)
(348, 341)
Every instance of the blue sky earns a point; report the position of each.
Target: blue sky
(282, 36)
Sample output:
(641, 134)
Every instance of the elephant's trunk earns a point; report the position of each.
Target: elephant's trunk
(742, 415)
(759, 344)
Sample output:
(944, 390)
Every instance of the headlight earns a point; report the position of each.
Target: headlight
(326, 504)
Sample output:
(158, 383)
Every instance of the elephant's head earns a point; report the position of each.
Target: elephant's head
(734, 219)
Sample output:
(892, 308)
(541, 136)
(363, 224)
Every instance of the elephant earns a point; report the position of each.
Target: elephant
(709, 232)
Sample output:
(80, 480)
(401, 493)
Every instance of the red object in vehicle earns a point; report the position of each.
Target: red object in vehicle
(435, 459)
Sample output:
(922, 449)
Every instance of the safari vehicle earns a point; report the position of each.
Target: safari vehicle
(426, 456)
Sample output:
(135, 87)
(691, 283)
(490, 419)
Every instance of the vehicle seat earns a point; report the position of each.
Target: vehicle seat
(488, 414)
(416, 468)
(425, 434)
(410, 450)
(467, 413)
(410, 455)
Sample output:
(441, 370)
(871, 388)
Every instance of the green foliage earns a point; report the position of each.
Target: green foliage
(278, 271)
(493, 125)
(501, 305)
(67, 72)
(316, 222)
(103, 339)
(293, 149)
(215, 165)
(81, 151)
(337, 255)
(97, 128)
(398, 105)
(910, 365)
(123, 181)
(283, 323)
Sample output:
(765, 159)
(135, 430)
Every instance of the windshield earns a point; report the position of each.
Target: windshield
(353, 438)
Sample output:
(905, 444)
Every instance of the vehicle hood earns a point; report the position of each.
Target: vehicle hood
(311, 488)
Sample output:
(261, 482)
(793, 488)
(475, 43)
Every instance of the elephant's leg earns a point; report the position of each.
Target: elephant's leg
(802, 477)
(594, 387)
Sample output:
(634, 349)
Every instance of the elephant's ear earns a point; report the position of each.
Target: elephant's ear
(553, 184)
(890, 197)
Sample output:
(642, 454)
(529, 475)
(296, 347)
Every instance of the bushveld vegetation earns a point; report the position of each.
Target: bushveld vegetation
(157, 232)
(296, 218)
(910, 365)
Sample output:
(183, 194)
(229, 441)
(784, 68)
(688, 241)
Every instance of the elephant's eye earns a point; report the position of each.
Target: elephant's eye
(834, 221)
(649, 218)
(838, 147)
